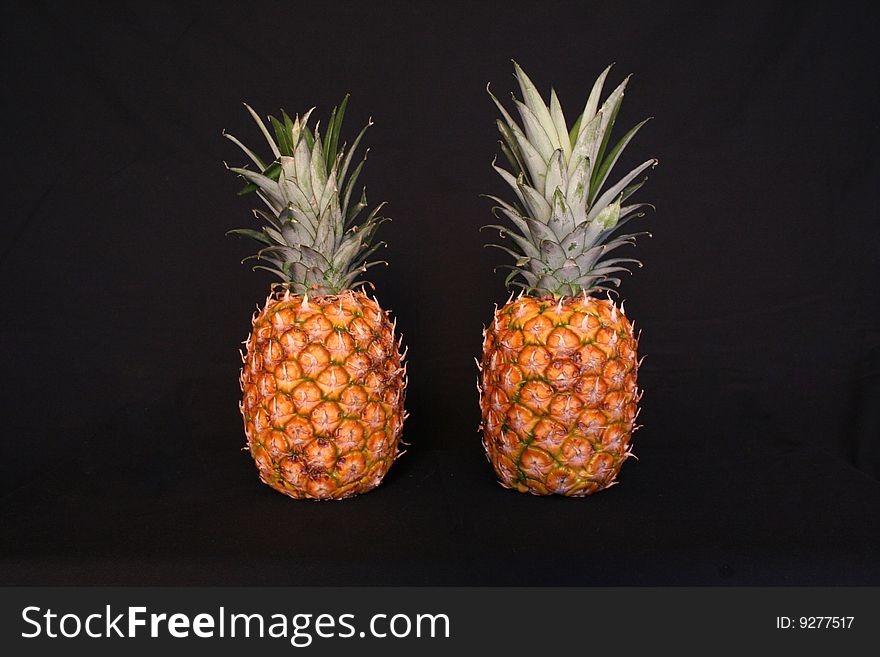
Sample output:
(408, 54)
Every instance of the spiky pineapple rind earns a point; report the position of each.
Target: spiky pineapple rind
(323, 385)
(559, 394)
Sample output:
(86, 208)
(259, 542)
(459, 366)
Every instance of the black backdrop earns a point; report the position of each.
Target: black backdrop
(124, 304)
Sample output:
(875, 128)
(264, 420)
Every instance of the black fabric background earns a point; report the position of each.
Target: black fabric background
(124, 303)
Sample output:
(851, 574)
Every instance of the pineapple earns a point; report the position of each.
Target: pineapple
(558, 390)
(323, 378)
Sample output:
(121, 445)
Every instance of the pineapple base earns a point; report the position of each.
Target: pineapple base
(558, 394)
(323, 386)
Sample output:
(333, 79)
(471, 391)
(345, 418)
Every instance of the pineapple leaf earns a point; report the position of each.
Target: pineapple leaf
(509, 156)
(349, 186)
(313, 257)
(511, 213)
(346, 162)
(285, 253)
(330, 202)
(282, 136)
(272, 172)
(307, 135)
(535, 164)
(534, 201)
(346, 252)
(295, 198)
(617, 261)
(632, 189)
(533, 100)
(247, 151)
(609, 215)
(627, 213)
(300, 129)
(277, 272)
(510, 142)
(586, 143)
(334, 127)
(289, 126)
(302, 165)
(328, 137)
(292, 232)
(593, 100)
(604, 271)
(540, 232)
(372, 216)
(269, 204)
(367, 252)
(514, 272)
(622, 240)
(353, 211)
(268, 186)
(265, 216)
(304, 222)
(561, 219)
(264, 130)
(619, 187)
(273, 234)
(512, 181)
(317, 172)
(602, 172)
(509, 251)
(609, 113)
(253, 234)
(557, 174)
(552, 253)
(527, 248)
(536, 133)
(575, 131)
(559, 123)
(576, 193)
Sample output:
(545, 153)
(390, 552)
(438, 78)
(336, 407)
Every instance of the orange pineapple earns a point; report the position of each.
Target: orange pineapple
(323, 379)
(558, 374)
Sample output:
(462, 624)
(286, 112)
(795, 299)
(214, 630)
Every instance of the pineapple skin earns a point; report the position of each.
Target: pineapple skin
(558, 394)
(323, 386)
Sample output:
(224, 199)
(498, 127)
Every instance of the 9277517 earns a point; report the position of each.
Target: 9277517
(814, 622)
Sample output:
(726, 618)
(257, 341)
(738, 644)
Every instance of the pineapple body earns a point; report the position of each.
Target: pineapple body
(323, 392)
(558, 394)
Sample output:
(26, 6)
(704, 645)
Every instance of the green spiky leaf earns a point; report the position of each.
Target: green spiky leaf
(334, 127)
(564, 231)
(311, 238)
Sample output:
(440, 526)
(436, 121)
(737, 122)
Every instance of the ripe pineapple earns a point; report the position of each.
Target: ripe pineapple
(558, 389)
(323, 379)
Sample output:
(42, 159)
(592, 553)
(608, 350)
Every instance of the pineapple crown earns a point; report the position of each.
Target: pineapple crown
(565, 224)
(311, 236)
